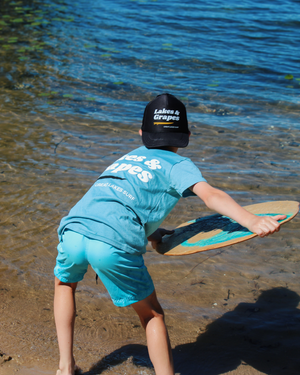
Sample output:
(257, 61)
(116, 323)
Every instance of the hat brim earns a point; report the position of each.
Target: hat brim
(155, 140)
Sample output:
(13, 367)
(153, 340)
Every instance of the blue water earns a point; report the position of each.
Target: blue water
(105, 59)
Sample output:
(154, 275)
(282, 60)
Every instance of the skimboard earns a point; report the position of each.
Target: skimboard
(215, 231)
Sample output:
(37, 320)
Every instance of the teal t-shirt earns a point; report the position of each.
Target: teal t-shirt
(132, 197)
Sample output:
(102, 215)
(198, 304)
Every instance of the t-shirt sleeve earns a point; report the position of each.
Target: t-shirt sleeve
(183, 175)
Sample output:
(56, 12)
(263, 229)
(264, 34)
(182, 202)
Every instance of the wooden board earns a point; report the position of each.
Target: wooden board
(215, 231)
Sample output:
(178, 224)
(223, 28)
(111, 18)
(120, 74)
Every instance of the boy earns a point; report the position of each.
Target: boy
(111, 225)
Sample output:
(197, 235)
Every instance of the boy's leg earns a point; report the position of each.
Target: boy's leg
(64, 314)
(152, 318)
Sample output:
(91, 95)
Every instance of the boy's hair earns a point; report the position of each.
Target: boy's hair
(165, 123)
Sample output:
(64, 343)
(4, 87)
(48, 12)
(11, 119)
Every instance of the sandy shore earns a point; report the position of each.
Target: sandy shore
(231, 312)
(242, 335)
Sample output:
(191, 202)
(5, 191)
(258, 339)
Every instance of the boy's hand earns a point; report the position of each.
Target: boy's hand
(265, 225)
(157, 236)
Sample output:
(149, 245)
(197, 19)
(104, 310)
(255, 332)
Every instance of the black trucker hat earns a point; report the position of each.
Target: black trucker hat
(165, 123)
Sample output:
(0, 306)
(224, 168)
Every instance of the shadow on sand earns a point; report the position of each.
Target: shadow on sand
(264, 335)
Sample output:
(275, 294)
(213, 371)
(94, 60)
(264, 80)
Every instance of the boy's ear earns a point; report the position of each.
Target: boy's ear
(140, 132)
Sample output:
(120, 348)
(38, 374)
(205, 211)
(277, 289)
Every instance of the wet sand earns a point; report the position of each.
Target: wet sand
(229, 311)
(243, 322)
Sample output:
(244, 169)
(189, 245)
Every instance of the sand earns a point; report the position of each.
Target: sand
(251, 328)
(233, 311)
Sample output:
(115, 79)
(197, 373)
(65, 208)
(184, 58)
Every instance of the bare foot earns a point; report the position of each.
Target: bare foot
(77, 370)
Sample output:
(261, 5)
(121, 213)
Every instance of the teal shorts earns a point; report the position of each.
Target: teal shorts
(124, 275)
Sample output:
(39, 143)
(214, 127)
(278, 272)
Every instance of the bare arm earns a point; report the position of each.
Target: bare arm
(222, 203)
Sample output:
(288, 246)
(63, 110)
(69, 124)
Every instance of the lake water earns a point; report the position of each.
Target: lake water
(75, 77)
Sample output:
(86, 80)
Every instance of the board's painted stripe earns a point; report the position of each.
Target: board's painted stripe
(226, 235)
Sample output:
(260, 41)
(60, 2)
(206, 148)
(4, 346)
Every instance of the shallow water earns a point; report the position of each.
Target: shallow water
(74, 80)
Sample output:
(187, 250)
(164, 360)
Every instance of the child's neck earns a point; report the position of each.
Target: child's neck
(169, 148)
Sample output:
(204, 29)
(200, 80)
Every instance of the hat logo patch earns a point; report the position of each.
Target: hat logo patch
(164, 116)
